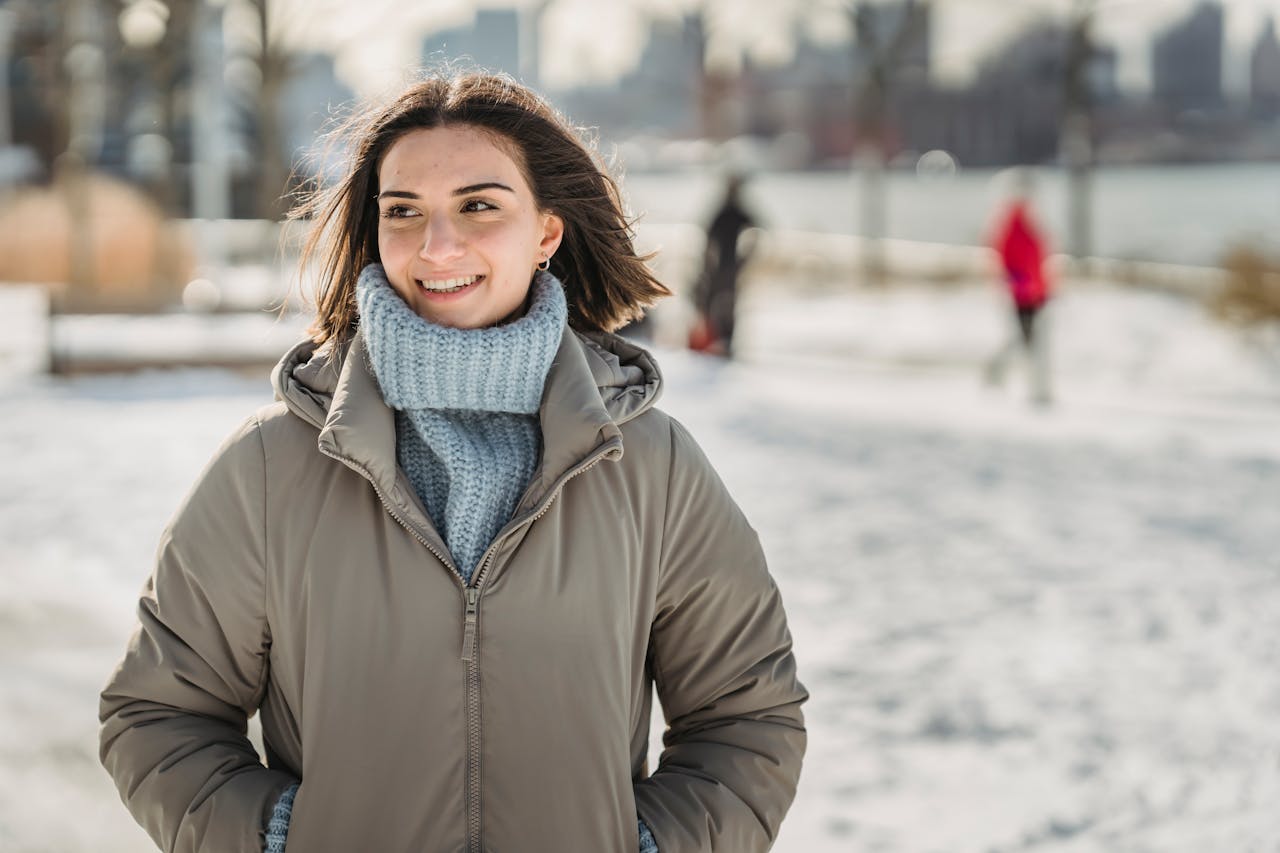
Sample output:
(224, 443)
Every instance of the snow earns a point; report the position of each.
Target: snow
(1023, 628)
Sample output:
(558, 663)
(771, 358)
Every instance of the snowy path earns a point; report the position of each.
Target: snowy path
(1023, 630)
(1020, 644)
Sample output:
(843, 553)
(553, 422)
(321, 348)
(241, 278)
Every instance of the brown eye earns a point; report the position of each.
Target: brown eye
(398, 211)
(476, 205)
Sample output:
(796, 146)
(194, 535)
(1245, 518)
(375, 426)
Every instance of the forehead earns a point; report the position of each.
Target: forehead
(452, 154)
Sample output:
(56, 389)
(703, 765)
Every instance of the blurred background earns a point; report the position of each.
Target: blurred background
(1029, 548)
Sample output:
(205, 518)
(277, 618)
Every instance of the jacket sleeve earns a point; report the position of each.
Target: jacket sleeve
(720, 653)
(174, 713)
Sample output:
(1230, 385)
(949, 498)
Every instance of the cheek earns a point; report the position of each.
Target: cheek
(395, 259)
(518, 246)
(396, 250)
(387, 243)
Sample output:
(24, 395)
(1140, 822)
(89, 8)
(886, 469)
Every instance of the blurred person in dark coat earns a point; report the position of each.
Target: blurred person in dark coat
(715, 294)
(1022, 249)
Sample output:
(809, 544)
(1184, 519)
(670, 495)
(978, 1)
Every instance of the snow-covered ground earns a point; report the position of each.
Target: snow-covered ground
(1050, 629)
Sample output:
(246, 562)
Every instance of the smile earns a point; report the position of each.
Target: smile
(448, 285)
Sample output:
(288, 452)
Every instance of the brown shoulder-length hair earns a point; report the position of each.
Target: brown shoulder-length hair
(605, 282)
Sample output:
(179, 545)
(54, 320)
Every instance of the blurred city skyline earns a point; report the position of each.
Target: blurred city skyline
(212, 109)
(588, 42)
(181, 98)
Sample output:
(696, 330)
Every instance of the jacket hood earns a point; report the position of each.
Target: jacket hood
(626, 376)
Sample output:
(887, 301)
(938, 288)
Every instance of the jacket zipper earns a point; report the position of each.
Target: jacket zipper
(470, 621)
(474, 823)
(469, 624)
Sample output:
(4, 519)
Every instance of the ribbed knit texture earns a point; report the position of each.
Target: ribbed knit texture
(466, 401)
(278, 826)
(648, 844)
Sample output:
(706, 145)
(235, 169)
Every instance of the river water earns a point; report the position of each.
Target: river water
(1175, 214)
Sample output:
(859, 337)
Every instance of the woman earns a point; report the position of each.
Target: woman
(451, 562)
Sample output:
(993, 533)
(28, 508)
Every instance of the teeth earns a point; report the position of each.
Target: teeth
(449, 283)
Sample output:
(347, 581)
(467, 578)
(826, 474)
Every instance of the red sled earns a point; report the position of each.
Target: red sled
(703, 339)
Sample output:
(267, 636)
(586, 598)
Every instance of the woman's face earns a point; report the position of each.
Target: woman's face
(459, 232)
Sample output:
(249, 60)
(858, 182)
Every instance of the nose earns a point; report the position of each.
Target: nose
(441, 243)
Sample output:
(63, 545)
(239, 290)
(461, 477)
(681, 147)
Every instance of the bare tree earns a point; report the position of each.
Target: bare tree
(283, 28)
(275, 66)
(1076, 143)
(172, 56)
(79, 74)
(879, 54)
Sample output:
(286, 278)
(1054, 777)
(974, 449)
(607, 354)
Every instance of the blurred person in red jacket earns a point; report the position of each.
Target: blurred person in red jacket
(1022, 249)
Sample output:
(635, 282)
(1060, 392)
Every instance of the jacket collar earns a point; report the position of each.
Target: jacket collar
(575, 423)
(596, 382)
(359, 427)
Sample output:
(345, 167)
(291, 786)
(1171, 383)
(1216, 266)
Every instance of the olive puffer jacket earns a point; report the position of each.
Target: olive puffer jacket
(302, 577)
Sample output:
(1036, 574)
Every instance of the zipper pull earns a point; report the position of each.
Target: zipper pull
(469, 625)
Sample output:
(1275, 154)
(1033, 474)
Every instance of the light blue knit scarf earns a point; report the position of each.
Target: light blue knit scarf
(466, 401)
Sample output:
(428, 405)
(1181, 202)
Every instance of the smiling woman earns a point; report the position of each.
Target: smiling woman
(457, 136)
(431, 566)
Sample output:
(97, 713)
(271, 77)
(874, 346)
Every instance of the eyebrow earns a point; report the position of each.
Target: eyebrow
(471, 188)
(487, 185)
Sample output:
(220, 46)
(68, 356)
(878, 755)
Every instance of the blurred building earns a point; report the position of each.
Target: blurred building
(1186, 62)
(811, 99)
(134, 103)
(1012, 111)
(311, 99)
(1264, 74)
(35, 132)
(667, 92)
(76, 87)
(800, 110)
(1103, 81)
(886, 23)
(1021, 86)
(491, 41)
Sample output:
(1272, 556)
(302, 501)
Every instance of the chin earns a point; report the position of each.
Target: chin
(459, 319)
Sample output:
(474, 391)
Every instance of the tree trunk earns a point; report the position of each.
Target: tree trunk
(1076, 143)
(273, 171)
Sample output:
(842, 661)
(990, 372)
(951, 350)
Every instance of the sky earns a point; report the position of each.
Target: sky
(600, 39)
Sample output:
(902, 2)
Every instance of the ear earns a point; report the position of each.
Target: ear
(552, 233)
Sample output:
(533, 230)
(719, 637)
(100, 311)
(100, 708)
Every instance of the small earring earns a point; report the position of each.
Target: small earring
(545, 263)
